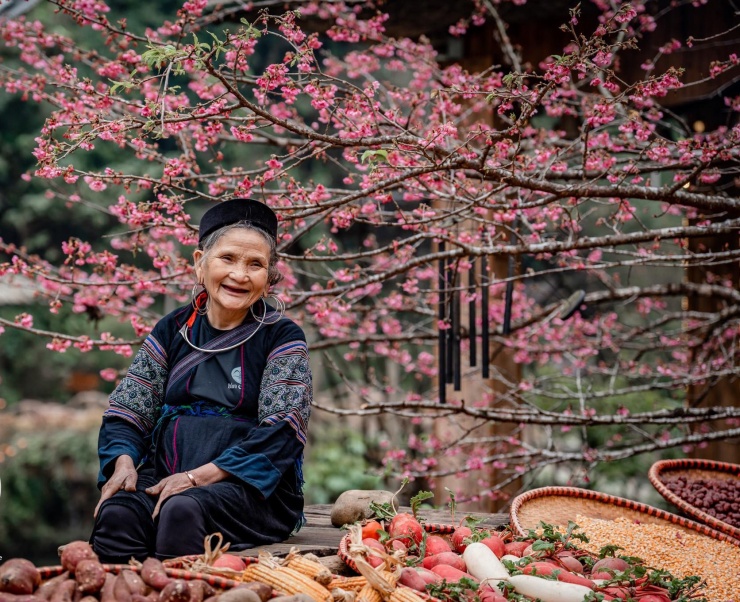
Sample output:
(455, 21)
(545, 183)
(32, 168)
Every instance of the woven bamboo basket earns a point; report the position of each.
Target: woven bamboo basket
(694, 469)
(558, 505)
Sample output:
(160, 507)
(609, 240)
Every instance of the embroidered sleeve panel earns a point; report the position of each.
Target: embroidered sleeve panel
(138, 397)
(286, 391)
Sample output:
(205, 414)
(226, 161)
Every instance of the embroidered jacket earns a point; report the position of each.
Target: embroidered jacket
(275, 393)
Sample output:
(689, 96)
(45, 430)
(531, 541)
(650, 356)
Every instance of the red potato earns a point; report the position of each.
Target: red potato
(374, 560)
(496, 544)
(74, 552)
(459, 537)
(239, 595)
(19, 576)
(449, 558)
(90, 576)
(405, 527)
(450, 573)
(436, 545)
(153, 574)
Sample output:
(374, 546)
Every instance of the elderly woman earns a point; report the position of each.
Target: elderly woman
(206, 431)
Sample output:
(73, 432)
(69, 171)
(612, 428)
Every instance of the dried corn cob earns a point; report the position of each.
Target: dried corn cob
(311, 568)
(348, 583)
(287, 580)
(368, 593)
(404, 594)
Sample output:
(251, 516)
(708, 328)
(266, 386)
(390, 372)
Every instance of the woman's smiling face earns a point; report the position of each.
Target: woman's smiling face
(234, 272)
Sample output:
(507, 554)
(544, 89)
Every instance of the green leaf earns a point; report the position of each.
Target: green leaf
(372, 156)
(418, 499)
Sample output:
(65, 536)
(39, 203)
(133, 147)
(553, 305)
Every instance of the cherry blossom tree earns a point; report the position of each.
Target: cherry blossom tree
(400, 180)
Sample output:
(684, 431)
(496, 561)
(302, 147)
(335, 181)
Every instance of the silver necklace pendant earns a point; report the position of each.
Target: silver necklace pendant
(184, 332)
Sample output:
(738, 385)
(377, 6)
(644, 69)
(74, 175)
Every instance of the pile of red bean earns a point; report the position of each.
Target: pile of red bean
(719, 498)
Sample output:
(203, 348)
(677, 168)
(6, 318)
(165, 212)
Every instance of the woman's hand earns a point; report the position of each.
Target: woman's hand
(171, 485)
(180, 481)
(124, 477)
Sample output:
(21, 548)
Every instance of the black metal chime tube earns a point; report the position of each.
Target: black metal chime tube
(442, 333)
(472, 353)
(450, 326)
(485, 354)
(456, 335)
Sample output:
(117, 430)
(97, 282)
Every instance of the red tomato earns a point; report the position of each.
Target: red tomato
(370, 529)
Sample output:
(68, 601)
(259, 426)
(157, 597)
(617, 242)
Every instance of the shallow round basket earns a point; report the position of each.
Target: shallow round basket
(558, 505)
(694, 469)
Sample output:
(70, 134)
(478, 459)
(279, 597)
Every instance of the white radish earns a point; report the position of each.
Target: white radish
(510, 558)
(483, 564)
(548, 590)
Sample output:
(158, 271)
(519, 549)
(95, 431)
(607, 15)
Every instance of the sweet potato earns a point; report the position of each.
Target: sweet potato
(88, 599)
(135, 584)
(19, 576)
(200, 590)
(6, 597)
(66, 592)
(175, 591)
(46, 589)
(107, 593)
(74, 552)
(153, 574)
(263, 590)
(90, 576)
(239, 594)
(121, 591)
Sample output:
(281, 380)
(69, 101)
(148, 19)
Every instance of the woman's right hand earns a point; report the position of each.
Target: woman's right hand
(124, 477)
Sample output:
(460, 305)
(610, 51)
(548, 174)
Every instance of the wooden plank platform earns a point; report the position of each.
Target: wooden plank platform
(321, 538)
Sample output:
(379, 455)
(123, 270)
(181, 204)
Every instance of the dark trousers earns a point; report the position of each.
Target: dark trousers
(124, 528)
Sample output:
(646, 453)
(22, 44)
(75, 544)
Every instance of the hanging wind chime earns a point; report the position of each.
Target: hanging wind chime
(451, 332)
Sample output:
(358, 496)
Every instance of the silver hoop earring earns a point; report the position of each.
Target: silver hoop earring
(273, 317)
(195, 298)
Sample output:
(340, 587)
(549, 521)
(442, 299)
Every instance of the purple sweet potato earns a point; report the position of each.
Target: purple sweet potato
(46, 589)
(74, 552)
(19, 576)
(153, 574)
(106, 592)
(176, 591)
(134, 582)
(90, 576)
(263, 590)
(121, 590)
(200, 590)
(65, 592)
(239, 594)
(6, 597)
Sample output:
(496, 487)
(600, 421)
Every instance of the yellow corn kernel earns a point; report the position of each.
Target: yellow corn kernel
(348, 583)
(404, 594)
